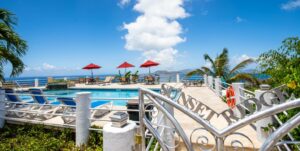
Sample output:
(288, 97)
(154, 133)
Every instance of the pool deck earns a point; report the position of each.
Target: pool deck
(203, 94)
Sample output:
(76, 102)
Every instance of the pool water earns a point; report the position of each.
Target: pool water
(98, 93)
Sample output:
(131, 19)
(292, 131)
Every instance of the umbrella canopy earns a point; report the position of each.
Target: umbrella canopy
(149, 63)
(125, 65)
(91, 67)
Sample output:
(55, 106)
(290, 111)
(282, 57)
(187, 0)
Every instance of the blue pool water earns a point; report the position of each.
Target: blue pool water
(97, 93)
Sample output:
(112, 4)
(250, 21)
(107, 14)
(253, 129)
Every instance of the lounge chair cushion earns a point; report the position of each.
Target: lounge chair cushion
(71, 102)
(39, 99)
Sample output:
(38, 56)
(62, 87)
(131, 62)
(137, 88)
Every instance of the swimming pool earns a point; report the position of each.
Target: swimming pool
(99, 93)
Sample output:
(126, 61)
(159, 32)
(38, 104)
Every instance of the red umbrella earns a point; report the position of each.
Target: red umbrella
(125, 65)
(149, 64)
(91, 67)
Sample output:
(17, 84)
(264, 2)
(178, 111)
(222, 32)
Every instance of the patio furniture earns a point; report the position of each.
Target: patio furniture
(149, 79)
(81, 80)
(17, 103)
(46, 109)
(107, 80)
(195, 83)
(124, 80)
(70, 109)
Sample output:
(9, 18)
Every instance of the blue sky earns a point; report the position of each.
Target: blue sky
(63, 36)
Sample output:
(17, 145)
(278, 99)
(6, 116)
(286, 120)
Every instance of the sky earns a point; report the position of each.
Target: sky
(65, 35)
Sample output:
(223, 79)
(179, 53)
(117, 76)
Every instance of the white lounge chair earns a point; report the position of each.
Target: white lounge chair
(43, 107)
(71, 109)
(107, 80)
(17, 103)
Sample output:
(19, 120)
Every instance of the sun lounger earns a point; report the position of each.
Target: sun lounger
(17, 103)
(44, 108)
(107, 80)
(71, 109)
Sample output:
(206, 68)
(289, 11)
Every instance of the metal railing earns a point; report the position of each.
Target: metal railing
(164, 105)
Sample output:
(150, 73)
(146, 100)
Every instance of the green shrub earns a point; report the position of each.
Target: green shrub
(39, 138)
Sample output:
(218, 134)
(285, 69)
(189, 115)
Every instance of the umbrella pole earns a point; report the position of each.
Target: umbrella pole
(92, 73)
(149, 71)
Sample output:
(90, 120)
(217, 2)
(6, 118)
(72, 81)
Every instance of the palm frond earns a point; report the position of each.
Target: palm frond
(195, 72)
(241, 65)
(17, 64)
(243, 76)
(7, 17)
(211, 61)
(208, 71)
(13, 42)
(221, 63)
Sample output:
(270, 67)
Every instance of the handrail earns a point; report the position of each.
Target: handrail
(280, 132)
(225, 132)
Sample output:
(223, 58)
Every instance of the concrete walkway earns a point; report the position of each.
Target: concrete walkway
(209, 98)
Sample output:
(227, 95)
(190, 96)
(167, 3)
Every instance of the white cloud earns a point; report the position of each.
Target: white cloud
(290, 5)
(156, 32)
(238, 19)
(238, 59)
(123, 2)
(166, 57)
(171, 9)
(151, 32)
(47, 66)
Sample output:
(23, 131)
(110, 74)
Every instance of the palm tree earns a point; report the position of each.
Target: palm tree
(220, 67)
(12, 47)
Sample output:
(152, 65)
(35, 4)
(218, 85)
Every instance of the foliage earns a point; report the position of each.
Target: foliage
(12, 47)
(38, 138)
(220, 67)
(127, 75)
(283, 65)
(135, 76)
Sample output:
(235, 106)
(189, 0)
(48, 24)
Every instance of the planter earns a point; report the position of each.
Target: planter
(57, 86)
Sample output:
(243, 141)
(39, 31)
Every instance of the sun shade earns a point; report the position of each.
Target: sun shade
(149, 63)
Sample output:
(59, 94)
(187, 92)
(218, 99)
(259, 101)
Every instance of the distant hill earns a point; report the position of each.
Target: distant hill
(184, 71)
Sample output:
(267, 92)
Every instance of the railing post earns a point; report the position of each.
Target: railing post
(205, 79)
(83, 114)
(142, 126)
(239, 97)
(220, 144)
(218, 88)
(2, 107)
(263, 125)
(177, 78)
(168, 134)
(119, 139)
(210, 82)
(36, 82)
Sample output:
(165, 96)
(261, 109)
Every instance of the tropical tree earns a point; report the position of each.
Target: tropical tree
(220, 67)
(12, 47)
(283, 65)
